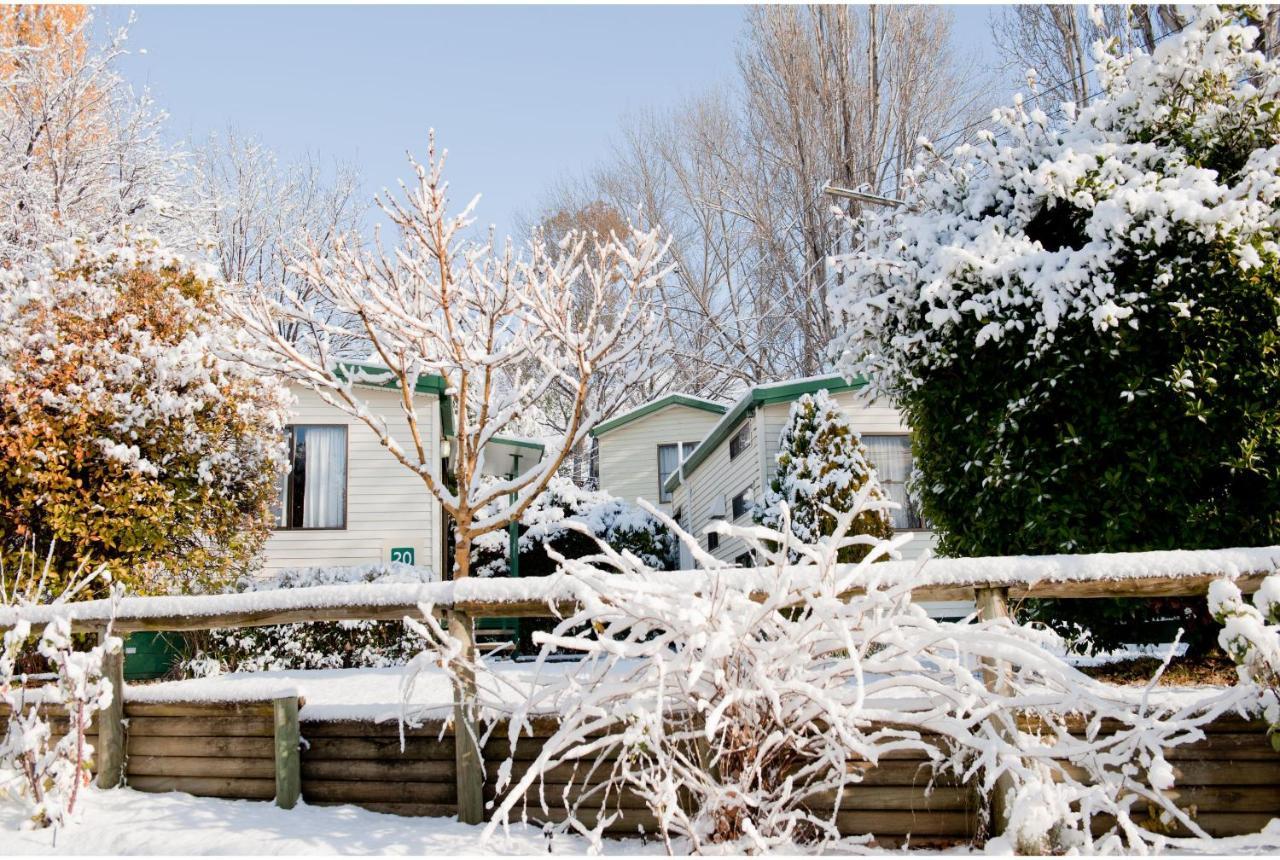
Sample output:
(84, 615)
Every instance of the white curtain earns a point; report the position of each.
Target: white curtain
(891, 456)
(325, 477)
(668, 462)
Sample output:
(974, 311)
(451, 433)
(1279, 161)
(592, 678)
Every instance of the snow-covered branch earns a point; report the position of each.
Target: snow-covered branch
(500, 328)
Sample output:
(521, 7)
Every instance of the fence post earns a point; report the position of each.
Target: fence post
(111, 718)
(466, 728)
(993, 605)
(288, 740)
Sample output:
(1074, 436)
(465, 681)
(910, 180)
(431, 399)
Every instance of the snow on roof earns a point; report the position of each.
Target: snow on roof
(939, 574)
(676, 398)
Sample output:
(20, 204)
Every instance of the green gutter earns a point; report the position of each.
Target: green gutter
(426, 383)
(652, 407)
(761, 395)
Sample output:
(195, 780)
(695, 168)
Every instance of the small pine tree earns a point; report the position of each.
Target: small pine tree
(822, 466)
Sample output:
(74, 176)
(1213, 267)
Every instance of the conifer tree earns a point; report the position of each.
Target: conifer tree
(822, 466)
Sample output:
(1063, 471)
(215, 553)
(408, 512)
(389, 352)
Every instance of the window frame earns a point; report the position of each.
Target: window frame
(734, 514)
(683, 450)
(713, 541)
(290, 479)
(911, 511)
(740, 439)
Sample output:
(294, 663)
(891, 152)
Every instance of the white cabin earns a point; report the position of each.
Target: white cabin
(638, 450)
(347, 501)
(736, 460)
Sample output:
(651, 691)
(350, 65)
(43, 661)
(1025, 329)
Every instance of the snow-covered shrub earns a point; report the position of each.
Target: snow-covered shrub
(1251, 636)
(124, 437)
(735, 713)
(317, 645)
(1078, 317)
(546, 525)
(822, 466)
(50, 772)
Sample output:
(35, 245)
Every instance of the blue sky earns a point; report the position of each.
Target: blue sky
(520, 95)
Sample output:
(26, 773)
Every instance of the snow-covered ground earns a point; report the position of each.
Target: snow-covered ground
(124, 821)
(349, 694)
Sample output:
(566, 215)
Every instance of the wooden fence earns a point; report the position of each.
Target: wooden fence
(421, 781)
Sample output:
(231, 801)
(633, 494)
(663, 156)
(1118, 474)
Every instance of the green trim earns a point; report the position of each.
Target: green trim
(425, 384)
(517, 443)
(655, 405)
(761, 395)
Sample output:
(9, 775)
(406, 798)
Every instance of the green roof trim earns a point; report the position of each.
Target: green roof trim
(426, 383)
(760, 395)
(656, 405)
(518, 443)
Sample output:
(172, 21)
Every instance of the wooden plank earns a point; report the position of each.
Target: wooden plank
(1214, 823)
(205, 727)
(898, 798)
(541, 727)
(110, 752)
(1226, 747)
(415, 749)
(427, 810)
(287, 742)
(230, 787)
(467, 756)
(238, 710)
(378, 769)
(178, 765)
(879, 823)
(369, 729)
(1042, 587)
(203, 746)
(1241, 773)
(350, 791)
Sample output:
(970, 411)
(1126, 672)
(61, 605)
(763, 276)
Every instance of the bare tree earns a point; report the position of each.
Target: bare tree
(80, 153)
(612, 390)
(259, 212)
(1056, 41)
(501, 330)
(825, 94)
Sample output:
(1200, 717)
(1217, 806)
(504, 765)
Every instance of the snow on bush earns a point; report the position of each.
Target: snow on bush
(50, 771)
(318, 645)
(126, 436)
(549, 523)
(1251, 635)
(1077, 316)
(736, 716)
(821, 468)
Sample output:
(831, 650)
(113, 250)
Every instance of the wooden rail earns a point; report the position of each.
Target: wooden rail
(991, 582)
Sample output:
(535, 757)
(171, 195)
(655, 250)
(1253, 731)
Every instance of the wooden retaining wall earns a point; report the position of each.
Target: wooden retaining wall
(1229, 782)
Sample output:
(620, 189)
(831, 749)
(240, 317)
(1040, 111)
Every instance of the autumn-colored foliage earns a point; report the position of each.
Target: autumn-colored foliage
(124, 437)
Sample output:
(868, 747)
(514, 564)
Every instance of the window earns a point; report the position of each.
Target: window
(713, 541)
(741, 504)
(313, 495)
(741, 439)
(745, 560)
(669, 459)
(891, 456)
(678, 516)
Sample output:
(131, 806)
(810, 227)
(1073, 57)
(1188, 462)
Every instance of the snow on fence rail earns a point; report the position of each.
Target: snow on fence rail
(988, 581)
(1135, 574)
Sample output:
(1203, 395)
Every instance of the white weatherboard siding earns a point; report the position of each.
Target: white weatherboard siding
(387, 505)
(720, 477)
(629, 454)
